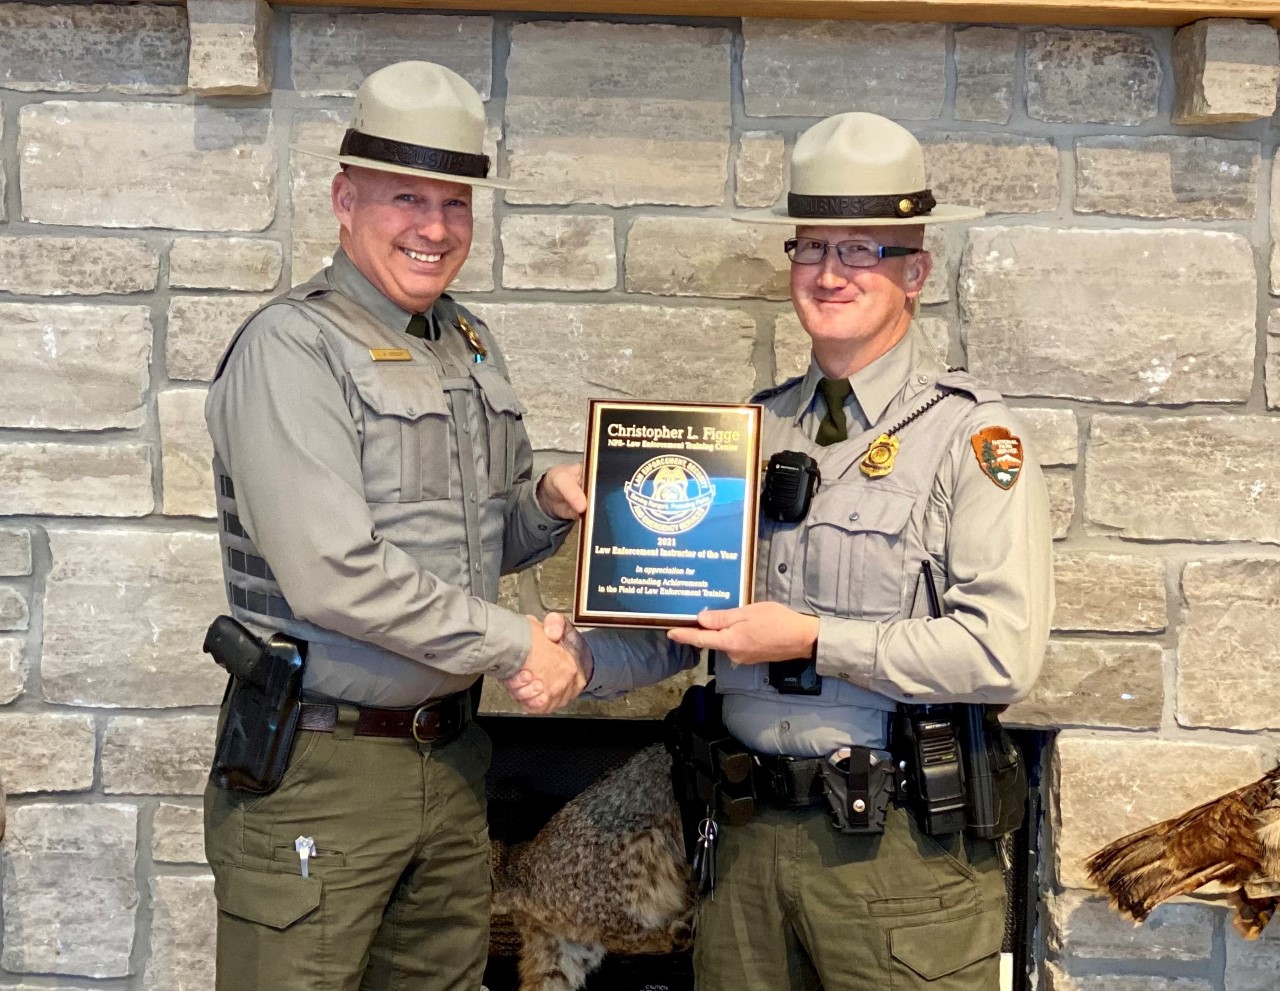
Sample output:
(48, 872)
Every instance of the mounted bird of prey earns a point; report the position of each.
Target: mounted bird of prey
(1233, 840)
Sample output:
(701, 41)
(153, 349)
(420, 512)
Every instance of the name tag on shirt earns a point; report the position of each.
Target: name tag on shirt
(390, 354)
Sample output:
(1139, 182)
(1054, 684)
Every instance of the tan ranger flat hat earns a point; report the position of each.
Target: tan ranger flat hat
(858, 170)
(418, 118)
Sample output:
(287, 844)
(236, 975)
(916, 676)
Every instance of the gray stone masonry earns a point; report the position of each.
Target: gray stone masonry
(155, 190)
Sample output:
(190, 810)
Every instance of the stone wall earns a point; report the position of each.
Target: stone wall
(1119, 291)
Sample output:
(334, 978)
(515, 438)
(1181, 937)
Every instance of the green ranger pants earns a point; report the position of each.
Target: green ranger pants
(397, 893)
(798, 905)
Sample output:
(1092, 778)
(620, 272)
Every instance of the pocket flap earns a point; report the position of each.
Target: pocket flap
(269, 899)
(498, 392)
(404, 390)
(862, 509)
(940, 948)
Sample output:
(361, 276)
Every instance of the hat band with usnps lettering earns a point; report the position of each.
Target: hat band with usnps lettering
(810, 207)
(459, 163)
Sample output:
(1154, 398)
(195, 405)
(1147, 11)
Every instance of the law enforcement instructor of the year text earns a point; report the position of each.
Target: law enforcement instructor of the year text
(373, 482)
(919, 464)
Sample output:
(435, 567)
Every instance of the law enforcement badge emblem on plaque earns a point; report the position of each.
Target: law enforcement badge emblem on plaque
(672, 490)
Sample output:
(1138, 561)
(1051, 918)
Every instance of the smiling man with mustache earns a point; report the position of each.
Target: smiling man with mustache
(374, 480)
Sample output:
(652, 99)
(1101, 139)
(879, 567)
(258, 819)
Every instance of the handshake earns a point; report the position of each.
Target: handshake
(557, 669)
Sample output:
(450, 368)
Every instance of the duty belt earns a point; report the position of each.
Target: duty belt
(432, 722)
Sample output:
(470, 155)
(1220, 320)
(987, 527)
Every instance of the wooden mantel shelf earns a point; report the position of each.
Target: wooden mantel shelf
(1111, 12)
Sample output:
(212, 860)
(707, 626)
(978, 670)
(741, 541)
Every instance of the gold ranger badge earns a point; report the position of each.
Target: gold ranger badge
(878, 461)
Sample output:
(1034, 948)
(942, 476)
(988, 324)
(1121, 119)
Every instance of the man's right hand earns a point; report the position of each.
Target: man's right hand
(551, 677)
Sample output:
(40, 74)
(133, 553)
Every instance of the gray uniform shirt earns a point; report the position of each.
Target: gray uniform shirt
(855, 563)
(371, 487)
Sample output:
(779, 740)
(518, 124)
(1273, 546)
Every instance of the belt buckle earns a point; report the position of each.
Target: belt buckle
(427, 714)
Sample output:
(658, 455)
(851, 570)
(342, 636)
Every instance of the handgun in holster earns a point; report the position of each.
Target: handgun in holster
(710, 770)
(260, 709)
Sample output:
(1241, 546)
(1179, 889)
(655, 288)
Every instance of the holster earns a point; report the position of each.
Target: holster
(997, 776)
(260, 709)
(710, 770)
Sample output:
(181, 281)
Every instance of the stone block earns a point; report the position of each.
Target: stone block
(986, 63)
(1189, 178)
(1195, 478)
(177, 835)
(69, 893)
(184, 922)
(1095, 683)
(13, 669)
(124, 617)
(1039, 305)
(1227, 645)
(1058, 979)
(200, 328)
(4, 214)
(695, 256)
(315, 231)
(93, 47)
(1002, 173)
(1252, 965)
(75, 480)
(1273, 360)
(186, 469)
(1224, 70)
(650, 702)
(332, 53)
(1115, 593)
(14, 614)
(205, 168)
(1062, 502)
(77, 266)
(157, 755)
(1099, 77)
(558, 251)
(1275, 229)
(1110, 786)
(42, 752)
(889, 68)
(230, 47)
(242, 263)
(618, 113)
(1050, 435)
(72, 366)
(1086, 927)
(15, 553)
(615, 350)
(760, 176)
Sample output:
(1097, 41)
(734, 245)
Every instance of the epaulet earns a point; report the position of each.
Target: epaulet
(308, 290)
(959, 380)
(453, 309)
(776, 390)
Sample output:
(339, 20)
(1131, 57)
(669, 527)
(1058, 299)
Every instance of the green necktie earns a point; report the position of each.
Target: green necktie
(418, 326)
(833, 427)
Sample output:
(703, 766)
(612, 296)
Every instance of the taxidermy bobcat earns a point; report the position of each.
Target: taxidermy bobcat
(606, 874)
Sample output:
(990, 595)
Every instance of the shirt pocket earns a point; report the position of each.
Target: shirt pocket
(504, 415)
(854, 547)
(405, 452)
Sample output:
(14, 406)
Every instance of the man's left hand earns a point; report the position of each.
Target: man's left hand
(560, 492)
(754, 634)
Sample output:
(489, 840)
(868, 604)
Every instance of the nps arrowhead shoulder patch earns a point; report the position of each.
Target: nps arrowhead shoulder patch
(999, 453)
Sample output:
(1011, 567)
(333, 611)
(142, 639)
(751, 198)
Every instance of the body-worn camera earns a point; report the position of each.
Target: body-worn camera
(790, 480)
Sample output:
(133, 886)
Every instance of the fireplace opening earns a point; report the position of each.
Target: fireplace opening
(541, 763)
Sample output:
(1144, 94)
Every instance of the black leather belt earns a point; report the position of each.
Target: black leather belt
(792, 782)
(432, 722)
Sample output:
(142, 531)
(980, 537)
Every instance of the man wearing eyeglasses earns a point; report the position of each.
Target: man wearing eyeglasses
(918, 574)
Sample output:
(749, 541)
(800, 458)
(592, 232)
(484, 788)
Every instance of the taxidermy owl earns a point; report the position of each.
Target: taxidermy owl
(605, 874)
(1233, 840)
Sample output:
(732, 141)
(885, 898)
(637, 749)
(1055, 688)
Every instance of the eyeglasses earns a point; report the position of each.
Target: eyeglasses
(860, 253)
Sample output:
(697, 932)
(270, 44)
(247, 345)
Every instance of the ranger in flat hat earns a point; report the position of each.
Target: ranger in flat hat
(919, 574)
(373, 479)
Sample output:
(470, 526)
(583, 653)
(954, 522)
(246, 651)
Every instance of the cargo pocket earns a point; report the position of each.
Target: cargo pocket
(262, 898)
(405, 452)
(854, 550)
(965, 951)
(503, 414)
